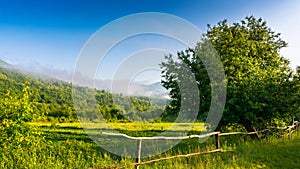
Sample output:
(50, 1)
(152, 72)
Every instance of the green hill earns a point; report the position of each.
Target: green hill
(53, 98)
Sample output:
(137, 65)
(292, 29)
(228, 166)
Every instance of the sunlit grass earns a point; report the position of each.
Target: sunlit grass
(67, 146)
(131, 126)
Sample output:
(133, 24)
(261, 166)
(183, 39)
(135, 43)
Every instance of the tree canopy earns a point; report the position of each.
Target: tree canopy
(261, 87)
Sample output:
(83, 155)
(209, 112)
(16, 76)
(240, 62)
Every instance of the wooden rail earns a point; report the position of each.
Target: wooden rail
(139, 144)
(164, 158)
(217, 134)
(161, 137)
(249, 133)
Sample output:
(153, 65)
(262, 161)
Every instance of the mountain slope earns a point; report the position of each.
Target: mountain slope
(3, 64)
(156, 90)
(53, 98)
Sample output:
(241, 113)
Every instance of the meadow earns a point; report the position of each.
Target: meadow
(66, 145)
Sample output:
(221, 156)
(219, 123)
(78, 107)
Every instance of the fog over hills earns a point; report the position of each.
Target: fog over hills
(3, 64)
(155, 90)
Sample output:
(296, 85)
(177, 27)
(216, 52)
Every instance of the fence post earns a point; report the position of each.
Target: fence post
(268, 133)
(298, 128)
(289, 132)
(217, 141)
(138, 153)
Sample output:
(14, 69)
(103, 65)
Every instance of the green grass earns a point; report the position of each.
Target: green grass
(67, 146)
(271, 154)
(127, 126)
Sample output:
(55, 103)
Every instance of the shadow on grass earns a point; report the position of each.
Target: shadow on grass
(56, 133)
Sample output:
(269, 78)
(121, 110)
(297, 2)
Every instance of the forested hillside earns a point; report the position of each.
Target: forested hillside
(52, 99)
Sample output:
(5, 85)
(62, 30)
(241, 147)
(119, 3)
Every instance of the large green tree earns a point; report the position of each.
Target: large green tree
(260, 84)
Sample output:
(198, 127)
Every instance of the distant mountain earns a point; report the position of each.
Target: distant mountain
(155, 90)
(4, 64)
(17, 70)
(156, 85)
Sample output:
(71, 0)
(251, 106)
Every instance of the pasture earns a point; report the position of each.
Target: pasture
(66, 145)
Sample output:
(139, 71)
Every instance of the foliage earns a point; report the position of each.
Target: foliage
(15, 111)
(16, 136)
(52, 100)
(260, 81)
(261, 87)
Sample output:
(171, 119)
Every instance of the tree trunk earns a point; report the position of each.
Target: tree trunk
(248, 126)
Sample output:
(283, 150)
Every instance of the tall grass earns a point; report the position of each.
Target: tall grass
(68, 147)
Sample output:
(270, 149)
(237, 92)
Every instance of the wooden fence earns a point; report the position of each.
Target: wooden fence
(289, 129)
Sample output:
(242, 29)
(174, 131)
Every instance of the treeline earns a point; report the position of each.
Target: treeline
(52, 100)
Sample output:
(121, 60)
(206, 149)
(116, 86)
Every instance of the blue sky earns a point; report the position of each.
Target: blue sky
(47, 36)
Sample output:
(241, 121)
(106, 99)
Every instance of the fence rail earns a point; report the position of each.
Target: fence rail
(248, 133)
(161, 137)
(217, 135)
(164, 158)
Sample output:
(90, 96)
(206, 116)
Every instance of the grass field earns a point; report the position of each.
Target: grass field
(67, 146)
(127, 126)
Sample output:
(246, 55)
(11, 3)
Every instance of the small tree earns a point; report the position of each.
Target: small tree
(15, 112)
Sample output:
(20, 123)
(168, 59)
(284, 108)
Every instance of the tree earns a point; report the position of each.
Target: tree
(259, 81)
(15, 112)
